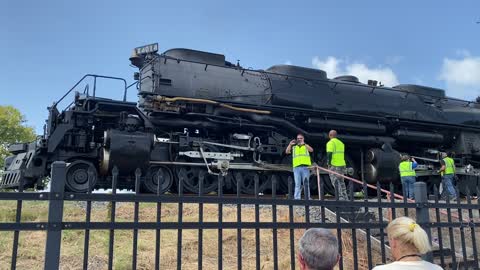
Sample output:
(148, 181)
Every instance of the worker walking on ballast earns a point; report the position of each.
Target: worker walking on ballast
(407, 175)
(336, 163)
(301, 161)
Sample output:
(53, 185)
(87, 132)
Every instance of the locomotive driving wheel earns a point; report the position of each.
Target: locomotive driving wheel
(192, 174)
(158, 175)
(246, 180)
(77, 176)
(191, 177)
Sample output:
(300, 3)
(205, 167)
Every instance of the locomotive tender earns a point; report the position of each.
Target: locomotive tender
(199, 117)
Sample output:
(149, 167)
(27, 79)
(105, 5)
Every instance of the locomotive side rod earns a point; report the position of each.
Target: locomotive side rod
(234, 166)
(426, 159)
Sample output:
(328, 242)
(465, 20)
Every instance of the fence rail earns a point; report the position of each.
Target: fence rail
(234, 232)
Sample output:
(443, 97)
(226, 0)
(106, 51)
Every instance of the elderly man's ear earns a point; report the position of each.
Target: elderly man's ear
(301, 262)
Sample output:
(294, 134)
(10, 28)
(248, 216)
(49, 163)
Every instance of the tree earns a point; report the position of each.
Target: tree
(12, 130)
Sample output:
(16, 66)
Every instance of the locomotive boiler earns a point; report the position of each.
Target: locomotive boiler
(200, 117)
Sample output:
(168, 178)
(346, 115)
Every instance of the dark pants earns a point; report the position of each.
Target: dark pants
(339, 182)
(448, 188)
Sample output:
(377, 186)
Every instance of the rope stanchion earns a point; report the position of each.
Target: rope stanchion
(318, 184)
(398, 196)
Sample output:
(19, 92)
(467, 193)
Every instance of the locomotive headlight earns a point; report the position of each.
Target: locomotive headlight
(139, 53)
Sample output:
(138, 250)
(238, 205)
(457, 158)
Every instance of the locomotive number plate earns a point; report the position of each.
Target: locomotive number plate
(151, 48)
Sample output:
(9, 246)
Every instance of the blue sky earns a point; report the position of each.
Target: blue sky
(48, 45)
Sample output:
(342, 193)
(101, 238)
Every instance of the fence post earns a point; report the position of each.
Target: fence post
(422, 212)
(55, 215)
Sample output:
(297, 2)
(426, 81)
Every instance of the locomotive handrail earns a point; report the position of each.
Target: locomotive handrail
(132, 84)
(95, 76)
(85, 91)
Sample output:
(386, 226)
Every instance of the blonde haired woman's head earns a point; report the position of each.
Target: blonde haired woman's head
(407, 237)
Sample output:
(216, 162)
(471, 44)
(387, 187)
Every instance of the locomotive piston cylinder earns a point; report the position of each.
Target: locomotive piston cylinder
(380, 164)
(126, 150)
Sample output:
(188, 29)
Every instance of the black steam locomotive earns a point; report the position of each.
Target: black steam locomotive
(199, 117)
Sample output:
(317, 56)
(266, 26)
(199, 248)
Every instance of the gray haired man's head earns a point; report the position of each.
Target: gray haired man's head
(319, 249)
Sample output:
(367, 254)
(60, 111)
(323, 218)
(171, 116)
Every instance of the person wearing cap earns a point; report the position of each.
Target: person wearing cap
(336, 164)
(408, 242)
(407, 175)
(447, 171)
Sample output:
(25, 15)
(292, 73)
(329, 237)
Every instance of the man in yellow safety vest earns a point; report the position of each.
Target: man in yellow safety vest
(407, 175)
(448, 174)
(301, 160)
(336, 163)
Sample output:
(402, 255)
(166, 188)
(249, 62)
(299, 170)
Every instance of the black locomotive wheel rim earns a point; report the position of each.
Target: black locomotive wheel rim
(191, 180)
(247, 185)
(77, 177)
(151, 182)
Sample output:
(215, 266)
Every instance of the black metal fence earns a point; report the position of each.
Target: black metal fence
(225, 231)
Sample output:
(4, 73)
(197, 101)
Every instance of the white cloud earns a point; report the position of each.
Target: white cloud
(336, 67)
(462, 76)
(288, 62)
(384, 75)
(330, 65)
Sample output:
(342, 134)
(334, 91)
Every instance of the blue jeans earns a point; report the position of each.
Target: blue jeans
(301, 176)
(447, 183)
(407, 183)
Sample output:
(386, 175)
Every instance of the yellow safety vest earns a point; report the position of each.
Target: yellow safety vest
(300, 156)
(406, 169)
(449, 166)
(337, 148)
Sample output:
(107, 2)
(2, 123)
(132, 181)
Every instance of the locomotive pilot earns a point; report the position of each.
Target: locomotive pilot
(336, 163)
(301, 161)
